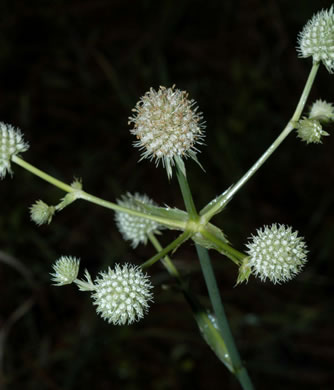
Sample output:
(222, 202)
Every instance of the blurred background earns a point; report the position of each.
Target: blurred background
(70, 73)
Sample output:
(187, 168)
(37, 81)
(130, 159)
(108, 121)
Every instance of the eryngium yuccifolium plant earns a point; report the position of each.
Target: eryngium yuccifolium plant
(276, 253)
(167, 124)
(122, 295)
(310, 131)
(132, 228)
(41, 212)
(11, 144)
(317, 39)
(322, 111)
(66, 270)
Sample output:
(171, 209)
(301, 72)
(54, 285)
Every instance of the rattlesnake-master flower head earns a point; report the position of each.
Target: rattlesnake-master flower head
(133, 228)
(122, 295)
(322, 111)
(310, 131)
(11, 144)
(66, 270)
(41, 213)
(276, 253)
(317, 39)
(167, 126)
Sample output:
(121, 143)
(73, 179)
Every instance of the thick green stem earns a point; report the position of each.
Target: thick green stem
(224, 198)
(238, 369)
(207, 328)
(186, 193)
(173, 223)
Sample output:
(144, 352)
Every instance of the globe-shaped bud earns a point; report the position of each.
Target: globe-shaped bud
(41, 212)
(167, 125)
(11, 144)
(133, 228)
(276, 253)
(310, 131)
(122, 295)
(322, 111)
(317, 39)
(66, 270)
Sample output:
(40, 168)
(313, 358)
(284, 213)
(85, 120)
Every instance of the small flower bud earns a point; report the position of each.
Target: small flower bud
(66, 270)
(310, 131)
(41, 213)
(11, 144)
(244, 271)
(322, 111)
(167, 125)
(122, 295)
(133, 228)
(317, 39)
(276, 253)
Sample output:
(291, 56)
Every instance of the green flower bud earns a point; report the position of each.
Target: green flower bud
(167, 126)
(66, 270)
(122, 295)
(41, 213)
(276, 253)
(133, 228)
(317, 39)
(11, 144)
(310, 131)
(244, 271)
(322, 111)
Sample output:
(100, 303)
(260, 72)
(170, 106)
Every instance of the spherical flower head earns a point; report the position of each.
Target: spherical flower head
(322, 111)
(122, 295)
(11, 144)
(167, 125)
(66, 270)
(133, 228)
(41, 212)
(310, 131)
(317, 39)
(276, 253)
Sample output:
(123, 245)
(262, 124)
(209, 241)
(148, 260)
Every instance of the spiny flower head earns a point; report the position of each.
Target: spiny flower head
(11, 144)
(310, 131)
(133, 228)
(41, 212)
(66, 270)
(167, 125)
(322, 111)
(276, 253)
(122, 295)
(317, 39)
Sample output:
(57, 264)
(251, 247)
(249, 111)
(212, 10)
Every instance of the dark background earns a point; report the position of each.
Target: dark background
(70, 73)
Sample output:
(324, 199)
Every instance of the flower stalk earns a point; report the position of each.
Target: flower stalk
(225, 197)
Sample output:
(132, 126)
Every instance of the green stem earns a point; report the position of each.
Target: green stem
(94, 199)
(238, 369)
(232, 253)
(57, 183)
(186, 193)
(208, 331)
(172, 246)
(167, 262)
(223, 199)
